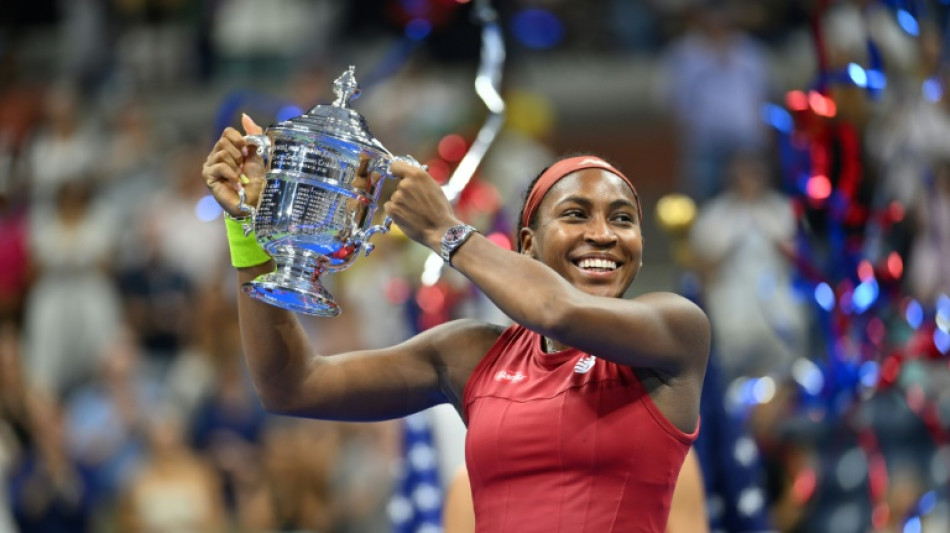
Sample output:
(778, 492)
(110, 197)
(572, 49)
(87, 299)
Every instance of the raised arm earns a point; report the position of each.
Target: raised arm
(428, 369)
(661, 331)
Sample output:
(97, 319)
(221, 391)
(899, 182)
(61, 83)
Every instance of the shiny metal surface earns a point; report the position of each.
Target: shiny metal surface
(315, 212)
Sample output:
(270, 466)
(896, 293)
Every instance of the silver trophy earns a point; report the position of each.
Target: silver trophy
(324, 174)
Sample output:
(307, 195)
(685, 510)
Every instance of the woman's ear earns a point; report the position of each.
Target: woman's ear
(526, 238)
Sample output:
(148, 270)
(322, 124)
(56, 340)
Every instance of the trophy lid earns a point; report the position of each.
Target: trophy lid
(337, 120)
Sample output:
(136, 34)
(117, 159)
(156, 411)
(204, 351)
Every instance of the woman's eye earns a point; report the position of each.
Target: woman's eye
(624, 218)
(573, 213)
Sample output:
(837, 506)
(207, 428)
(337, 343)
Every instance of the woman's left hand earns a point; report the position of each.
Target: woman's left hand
(418, 205)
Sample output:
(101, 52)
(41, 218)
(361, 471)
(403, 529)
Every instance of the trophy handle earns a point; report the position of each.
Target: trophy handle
(405, 159)
(263, 144)
(380, 228)
(247, 223)
(368, 247)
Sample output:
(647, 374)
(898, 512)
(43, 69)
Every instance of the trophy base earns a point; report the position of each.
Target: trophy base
(296, 299)
(294, 285)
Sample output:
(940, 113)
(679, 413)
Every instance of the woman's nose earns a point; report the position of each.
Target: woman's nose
(600, 232)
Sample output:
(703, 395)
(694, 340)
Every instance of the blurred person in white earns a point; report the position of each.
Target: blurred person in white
(72, 310)
(911, 131)
(716, 80)
(187, 237)
(66, 146)
(738, 239)
(105, 419)
(134, 159)
(928, 271)
(176, 490)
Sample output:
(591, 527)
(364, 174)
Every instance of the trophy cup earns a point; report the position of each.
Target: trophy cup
(324, 173)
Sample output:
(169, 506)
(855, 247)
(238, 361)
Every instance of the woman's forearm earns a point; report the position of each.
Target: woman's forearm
(276, 347)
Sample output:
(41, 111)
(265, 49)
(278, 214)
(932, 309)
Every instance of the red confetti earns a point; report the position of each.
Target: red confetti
(804, 486)
(452, 148)
(818, 187)
(895, 265)
(438, 169)
(500, 239)
(796, 100)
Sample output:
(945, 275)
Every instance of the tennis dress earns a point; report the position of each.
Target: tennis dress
(566, 442)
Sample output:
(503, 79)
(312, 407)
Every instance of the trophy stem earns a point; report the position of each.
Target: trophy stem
(295, 284)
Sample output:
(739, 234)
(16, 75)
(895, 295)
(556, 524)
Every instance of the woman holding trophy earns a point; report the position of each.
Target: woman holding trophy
(579, 416)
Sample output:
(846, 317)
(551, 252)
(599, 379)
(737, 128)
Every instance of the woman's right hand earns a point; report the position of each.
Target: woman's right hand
(234, 164)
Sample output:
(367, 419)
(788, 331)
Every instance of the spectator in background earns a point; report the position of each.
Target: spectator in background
(717, 80)
(84, 42)
(14, 249)
(51, 491)
(176, 489)
(928, 271)
(289, 488)
(228, 426)
(72, 311)
(186, 237)
(105, 419)
(740, 238)
(6, 517)
(159, 299)
(65, 147)
(911, 131)
(16, 422)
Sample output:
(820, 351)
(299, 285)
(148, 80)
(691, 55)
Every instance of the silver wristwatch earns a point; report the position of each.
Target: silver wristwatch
(453, 238)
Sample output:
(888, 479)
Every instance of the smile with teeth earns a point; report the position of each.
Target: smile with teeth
(601, 265)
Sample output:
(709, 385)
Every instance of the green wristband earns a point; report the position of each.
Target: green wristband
(245, 251)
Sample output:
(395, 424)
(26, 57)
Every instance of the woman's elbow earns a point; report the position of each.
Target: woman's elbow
(277, 400)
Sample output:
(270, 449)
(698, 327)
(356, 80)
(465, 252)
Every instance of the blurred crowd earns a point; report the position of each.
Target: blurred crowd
(124, 401)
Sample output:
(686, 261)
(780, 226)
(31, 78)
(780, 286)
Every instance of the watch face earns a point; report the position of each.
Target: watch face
(455, 233)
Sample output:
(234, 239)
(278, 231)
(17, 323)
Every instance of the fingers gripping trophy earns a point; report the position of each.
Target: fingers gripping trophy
(313, 208)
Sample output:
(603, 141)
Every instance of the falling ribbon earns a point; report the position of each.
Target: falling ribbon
(487, 84)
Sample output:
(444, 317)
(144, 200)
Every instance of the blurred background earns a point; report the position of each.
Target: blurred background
(793, 159)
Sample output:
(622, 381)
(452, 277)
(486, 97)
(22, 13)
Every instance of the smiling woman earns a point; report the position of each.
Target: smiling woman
(579, 416)
(585, 198)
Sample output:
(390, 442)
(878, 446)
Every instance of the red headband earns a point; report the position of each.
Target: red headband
(562, 168)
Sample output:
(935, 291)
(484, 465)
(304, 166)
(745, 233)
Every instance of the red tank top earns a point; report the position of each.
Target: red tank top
(566, 442)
